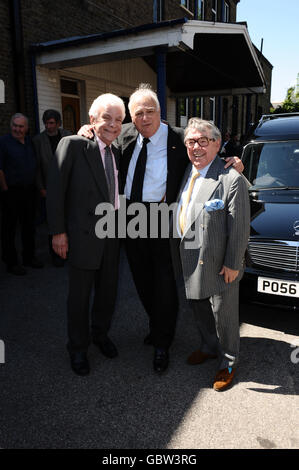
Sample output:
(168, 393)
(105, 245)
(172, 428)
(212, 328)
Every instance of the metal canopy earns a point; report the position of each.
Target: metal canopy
(202, 58)
(218, 64)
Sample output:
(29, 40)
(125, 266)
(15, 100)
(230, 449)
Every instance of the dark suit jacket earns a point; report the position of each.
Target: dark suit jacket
(76, 185)
(177, 158)
(44, 156)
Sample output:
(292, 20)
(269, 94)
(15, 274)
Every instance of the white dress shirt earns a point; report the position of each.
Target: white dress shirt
(154, 184)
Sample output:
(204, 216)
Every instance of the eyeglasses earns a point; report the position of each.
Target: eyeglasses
(202, 142)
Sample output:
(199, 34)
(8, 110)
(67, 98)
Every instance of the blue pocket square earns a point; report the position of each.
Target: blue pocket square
(214, 205)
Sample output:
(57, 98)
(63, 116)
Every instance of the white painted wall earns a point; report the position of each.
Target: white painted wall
(118, 77)
(2, 92)
(48, 91)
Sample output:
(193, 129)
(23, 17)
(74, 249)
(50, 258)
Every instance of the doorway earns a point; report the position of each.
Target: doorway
(70, 104)
(70, 113)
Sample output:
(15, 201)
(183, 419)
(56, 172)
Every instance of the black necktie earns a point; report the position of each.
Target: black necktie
(137, 185)
(110, 175)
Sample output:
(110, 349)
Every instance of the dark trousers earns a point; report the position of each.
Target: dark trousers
(81, 281)
(152, 271)
(18, 205)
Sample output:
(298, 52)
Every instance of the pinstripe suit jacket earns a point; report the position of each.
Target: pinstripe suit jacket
(216, 238)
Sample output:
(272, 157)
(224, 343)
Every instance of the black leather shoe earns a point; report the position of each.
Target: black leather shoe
(148, 340)
(79, 363)
(161, 360)
(106, 347)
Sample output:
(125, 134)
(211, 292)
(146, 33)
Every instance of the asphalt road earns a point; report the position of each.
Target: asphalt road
(123, 404)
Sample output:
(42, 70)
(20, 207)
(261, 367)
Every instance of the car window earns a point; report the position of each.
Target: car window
(272, 164)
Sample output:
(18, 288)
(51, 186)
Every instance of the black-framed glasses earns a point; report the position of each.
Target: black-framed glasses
(202, 142)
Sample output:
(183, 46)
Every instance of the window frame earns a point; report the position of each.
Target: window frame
(226, 13)
(214, 10)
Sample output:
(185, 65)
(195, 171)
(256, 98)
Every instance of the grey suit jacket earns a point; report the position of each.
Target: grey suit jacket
(213, 239)
(76, 185)
(44, 156)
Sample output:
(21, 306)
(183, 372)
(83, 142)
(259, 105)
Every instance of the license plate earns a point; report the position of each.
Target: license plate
(277, 287)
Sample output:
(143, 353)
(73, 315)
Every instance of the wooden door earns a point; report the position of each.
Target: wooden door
(71, 113)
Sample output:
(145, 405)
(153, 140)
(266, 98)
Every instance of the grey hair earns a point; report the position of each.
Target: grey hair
(143, 90)
(202, 125)
(17, 116)
(104, 100)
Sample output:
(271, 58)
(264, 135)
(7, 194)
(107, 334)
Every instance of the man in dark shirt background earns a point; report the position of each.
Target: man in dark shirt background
(45, 145)
(18, 185)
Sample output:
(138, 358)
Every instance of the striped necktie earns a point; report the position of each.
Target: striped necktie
(183, 212)
(109, 169)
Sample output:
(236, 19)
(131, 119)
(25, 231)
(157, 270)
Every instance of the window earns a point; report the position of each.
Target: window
(198, 107)
(182, 112)
(235, 114)
(69, 87)
(158, 11)
(186, 4)
(212, 108)
(199, 10)
(226, 13)
(272, 164)
(214, 10)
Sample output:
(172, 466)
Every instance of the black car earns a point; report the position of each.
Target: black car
(271, 161)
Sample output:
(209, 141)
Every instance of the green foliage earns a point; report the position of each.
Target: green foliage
(288, 106)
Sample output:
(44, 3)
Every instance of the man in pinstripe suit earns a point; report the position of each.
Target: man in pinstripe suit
(212, 221)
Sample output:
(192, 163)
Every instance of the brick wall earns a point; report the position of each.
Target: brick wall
(6, 70)
(45, 20)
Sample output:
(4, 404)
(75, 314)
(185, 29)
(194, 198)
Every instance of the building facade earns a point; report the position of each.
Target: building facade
(62, 55)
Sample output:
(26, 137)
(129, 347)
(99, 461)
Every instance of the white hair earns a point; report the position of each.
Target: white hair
(104, 100)
(202, 125)
(143, 90)
(17, 116)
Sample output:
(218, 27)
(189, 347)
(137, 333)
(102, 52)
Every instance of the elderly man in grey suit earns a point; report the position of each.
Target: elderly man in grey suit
(84, 174)
(212, 222)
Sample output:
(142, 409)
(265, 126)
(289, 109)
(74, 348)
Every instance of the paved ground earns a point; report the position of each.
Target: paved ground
(122, 404)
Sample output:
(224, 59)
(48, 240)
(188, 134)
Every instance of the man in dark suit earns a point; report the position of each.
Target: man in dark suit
(155, 180)
(212, 222)
(45, 145)
(83, 174)
(17, 182)
(149, 258)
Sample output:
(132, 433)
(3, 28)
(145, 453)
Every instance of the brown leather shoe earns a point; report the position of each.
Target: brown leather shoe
(223, 379)
(198, 357)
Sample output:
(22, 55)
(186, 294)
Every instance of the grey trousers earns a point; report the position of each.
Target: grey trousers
(217, 319)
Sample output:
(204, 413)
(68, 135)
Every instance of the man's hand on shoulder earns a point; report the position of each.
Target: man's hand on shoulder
(235, 162)
(86, 131)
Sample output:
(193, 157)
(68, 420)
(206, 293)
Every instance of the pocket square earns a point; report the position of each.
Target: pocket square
(214, 205)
